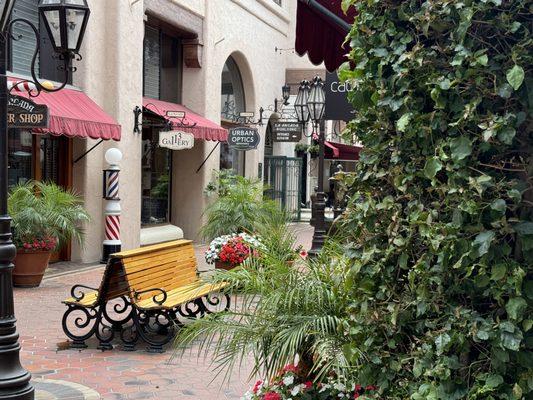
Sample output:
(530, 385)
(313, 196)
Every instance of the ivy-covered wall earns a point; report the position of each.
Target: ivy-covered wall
(439, 231)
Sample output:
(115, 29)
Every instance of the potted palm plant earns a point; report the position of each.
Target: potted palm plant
(45, 219)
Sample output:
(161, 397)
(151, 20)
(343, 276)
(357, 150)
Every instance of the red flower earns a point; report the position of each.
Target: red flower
(272, 396)
(371, 388)
(308, 385)
(290, 368)
(256, 386)
(303, 254)
(356, 395)
(358, 388)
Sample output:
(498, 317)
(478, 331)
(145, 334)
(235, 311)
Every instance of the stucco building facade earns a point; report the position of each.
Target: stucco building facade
(202, 54)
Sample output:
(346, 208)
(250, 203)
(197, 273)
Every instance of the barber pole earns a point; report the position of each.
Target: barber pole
(112, 210)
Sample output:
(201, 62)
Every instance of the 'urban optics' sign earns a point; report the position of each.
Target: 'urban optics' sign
(287, 131)
(176, 140)
(24, 113)
(243, 138)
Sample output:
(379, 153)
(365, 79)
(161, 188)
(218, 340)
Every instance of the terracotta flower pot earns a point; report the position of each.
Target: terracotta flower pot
(29, 268)
(224, 265)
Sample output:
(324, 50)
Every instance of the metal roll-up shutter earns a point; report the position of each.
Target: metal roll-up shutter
(23, 47)
(152, 62)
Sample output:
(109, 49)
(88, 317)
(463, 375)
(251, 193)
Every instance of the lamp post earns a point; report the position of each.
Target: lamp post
(65, 21)
(310, 105)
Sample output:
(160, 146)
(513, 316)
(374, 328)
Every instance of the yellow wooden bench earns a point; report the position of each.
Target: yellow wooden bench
(156, 284)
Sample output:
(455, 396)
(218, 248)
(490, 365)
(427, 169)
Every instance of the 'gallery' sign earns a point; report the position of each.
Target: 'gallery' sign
(24, 113)
(243, 138)
(176, 140)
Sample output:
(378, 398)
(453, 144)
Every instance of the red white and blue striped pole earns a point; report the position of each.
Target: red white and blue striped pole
(112, 210)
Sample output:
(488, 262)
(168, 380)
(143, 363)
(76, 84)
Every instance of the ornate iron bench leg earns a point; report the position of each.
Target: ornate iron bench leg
(122, 314)
(89, 318)
(215, 300)
(149, 324)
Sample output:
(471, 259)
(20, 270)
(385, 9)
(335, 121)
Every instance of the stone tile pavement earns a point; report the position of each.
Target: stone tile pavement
(113, 374)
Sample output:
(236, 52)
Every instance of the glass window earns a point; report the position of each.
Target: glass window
(152, 62)
(156, 180)
(23, 44)
(232, 103)
(162, 69)
(20, 168)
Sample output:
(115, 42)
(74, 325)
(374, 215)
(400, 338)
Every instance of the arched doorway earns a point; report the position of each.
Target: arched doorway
(233, 102)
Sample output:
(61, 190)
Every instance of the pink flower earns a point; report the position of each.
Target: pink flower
(356, 395)
(290, 368)
(272, 396)
(308, 385)
(304, 254)
(257, 386)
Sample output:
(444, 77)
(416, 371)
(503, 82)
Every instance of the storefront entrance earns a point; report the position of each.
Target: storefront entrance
(282, 176)
(44, 158)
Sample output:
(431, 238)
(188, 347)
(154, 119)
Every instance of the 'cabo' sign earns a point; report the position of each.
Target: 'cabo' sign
(24, 113)
(176, 140)
(243, 138)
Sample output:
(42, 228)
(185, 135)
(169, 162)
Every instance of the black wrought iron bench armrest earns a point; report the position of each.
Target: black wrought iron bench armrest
(137, 295)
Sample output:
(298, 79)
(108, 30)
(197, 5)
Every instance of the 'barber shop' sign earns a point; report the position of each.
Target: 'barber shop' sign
(24, 113)
(243, 138)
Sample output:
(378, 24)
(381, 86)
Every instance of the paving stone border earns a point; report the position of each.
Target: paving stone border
(53, 389)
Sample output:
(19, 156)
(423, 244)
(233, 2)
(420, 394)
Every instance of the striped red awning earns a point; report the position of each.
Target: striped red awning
(341, 151)
(203, 128)
(319, 36)
(73, 114)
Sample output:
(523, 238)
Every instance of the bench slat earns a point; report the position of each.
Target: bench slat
(151, 249)
(182, 296)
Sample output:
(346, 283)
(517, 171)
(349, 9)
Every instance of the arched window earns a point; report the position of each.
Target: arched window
(232, 101)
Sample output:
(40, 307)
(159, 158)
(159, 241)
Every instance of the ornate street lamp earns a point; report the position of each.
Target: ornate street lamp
(300, 104)
(65, 21)
(316, 104)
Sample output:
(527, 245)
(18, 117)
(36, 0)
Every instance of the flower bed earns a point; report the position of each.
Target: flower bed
(291, 385)
(232, 249)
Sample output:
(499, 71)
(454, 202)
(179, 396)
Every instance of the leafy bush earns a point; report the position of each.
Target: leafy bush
(239, 207)
(44, 212)
(439, 233)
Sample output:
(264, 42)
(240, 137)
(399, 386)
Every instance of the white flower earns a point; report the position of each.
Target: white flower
(288, 380)
(248, 396)
(340, 387)
(296, 390)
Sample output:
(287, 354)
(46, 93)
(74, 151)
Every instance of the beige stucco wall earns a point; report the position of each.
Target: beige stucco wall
(111, 74)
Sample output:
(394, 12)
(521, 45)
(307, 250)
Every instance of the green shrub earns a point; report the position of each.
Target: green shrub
(45, 210)
(439, 232)
(239, 207)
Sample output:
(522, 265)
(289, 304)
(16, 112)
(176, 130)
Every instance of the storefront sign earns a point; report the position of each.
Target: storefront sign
(243, 138)
(337, 106)
(24, 113)
(287, 131)
(176, 114)
(176, 140)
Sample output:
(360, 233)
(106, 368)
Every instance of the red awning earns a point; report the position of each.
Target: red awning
(341, 151)
(317, 33)
(204, 128)
(74, 114)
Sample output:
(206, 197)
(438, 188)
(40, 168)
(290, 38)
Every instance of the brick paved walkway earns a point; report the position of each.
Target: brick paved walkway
(114, 374)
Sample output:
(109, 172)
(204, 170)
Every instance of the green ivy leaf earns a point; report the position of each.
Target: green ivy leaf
(493, 381)
(442, 342)
(524, 228)
(461, 148)
(515, 76)
(433, 165)
(482, 242)
(499, 206)
(515, 308)
(498, 272)
(403, 122)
